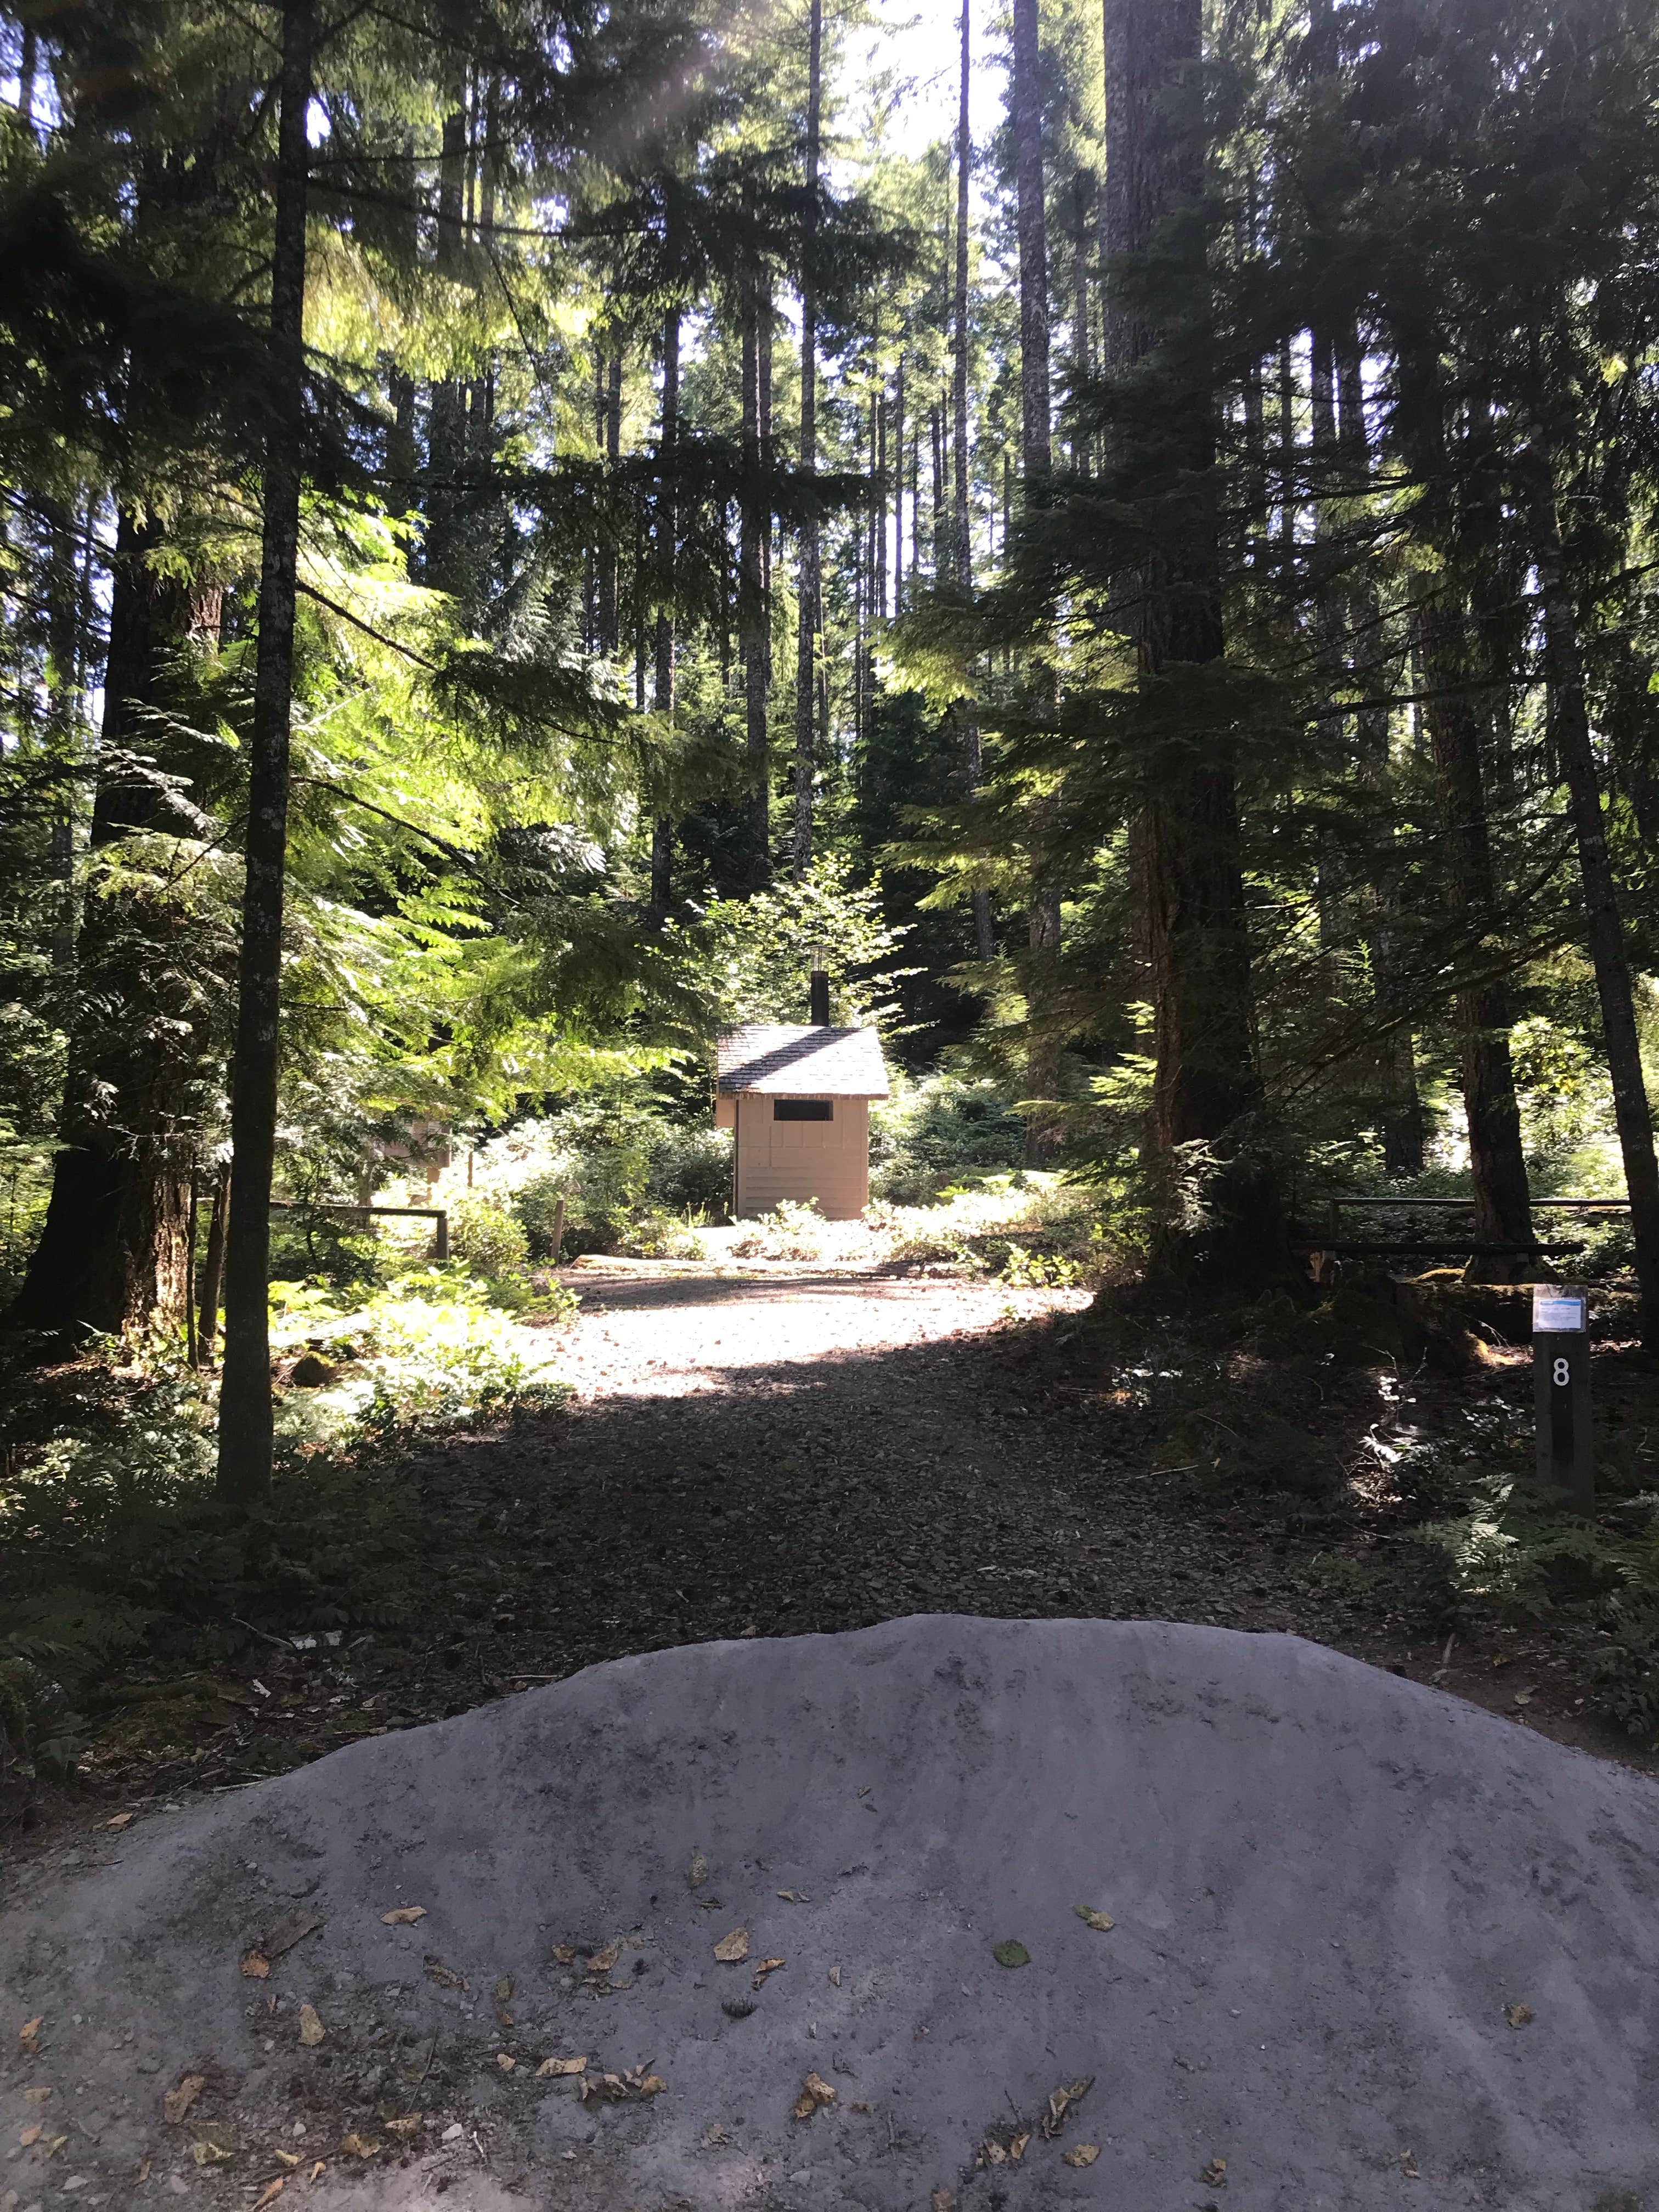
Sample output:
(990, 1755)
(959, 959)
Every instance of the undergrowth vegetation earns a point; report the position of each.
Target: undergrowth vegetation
(113, 1543)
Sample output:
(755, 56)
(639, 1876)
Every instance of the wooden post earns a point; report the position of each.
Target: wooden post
(558, 1230)
(1561, 1392)
(442, 1253)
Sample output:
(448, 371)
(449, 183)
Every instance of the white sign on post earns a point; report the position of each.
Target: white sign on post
(1557, 1313)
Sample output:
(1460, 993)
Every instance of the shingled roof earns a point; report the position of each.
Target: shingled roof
(790, 1062)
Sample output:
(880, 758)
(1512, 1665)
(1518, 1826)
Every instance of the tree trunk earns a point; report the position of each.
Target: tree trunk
(1080, 363)
(1025, 107)
(1570, 718)
(1498, 1166)
(111, 1255)
(1222, 1227)
(806, 643)
(213, 1268)
(1037, 456)
(1401, 1106)
(662, 834)
(962, 529)
(898, 485)
(609, 564)
(245, 1410)
(447, 424)
(752, 614)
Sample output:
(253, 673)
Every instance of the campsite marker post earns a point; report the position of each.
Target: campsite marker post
(1561, 1392)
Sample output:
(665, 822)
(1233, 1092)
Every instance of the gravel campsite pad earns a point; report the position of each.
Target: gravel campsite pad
(946, 1913)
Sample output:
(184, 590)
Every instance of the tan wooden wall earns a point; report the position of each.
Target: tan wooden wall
(829, 1161)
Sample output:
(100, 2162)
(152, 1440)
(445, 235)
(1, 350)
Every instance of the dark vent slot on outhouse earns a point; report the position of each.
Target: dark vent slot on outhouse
(803, 1109)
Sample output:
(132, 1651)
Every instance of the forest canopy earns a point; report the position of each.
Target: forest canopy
(1132, 534)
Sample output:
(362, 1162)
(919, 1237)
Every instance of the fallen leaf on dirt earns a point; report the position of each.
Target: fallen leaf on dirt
(288, 1932)
(318, 2168)
(621, 2089)
(991, 2152)
(286, 2157)
(256, 1966)
(207, 2153)
(311, 2030)
(834, 1976)
(503, 1989)
(120, 1820)
(1102, 1922)
(54, 2145)
(29, 2035)
(1525, 1697)
(1061, 2103)
(564, 1955)
(409, 2125)
(182, 2095)
(767, 1966)
(1409, 2166)
(358, 2146)
(446, 1977)
(815, 2091)
(562, 2066)
(696, 1872)
(506, 2061)
(795, 1896)
(402, 1916)
(30, 2135)
(1214, 2175)
(1080, 2155)
(942, 2200)
(601, 1961)
(732, 1950)
(273, 2191)
(37, 2096)
(1009, 1953)
(1016, 2145)
(1518, 2014)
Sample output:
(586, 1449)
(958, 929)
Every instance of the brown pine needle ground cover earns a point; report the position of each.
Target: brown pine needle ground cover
(761, 1449)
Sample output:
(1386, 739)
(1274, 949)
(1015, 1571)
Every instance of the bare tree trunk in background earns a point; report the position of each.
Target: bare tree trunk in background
(963, 336)
(447, 422)
(610, 608)
(806, 653)
(752, 617)
(1043, 927)
(1025, 114)
(1081, 366)
(1403, 1115)
(213, 1268)
(1455, 717)
(898, 486)
(962, 532)
(662, 833)
(1498, 1165)
(1228, 1231)
(1570, 717)
(878, 515)
(245, 1410)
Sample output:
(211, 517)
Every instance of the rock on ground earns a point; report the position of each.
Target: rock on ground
(1328, 1886)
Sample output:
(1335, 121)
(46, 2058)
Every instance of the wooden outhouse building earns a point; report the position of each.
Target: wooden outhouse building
(798, 1100)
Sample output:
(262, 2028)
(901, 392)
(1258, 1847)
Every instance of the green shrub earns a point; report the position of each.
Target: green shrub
(490, 1240)
(794, 1231)
(941, 1131)
(690, 1171)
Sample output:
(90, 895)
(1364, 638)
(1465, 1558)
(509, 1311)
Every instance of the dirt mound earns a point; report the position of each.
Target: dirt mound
(1368, 1946)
